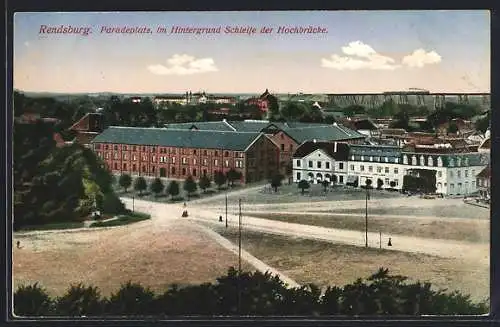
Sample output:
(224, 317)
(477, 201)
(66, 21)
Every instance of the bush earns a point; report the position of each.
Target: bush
(111, 204)
(32, 300)
(80, 301)
(131, 299)
(261, 294)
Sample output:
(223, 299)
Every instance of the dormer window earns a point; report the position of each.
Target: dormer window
(430, 162)
(422, 161)
(371, 158)
(459, 162)
(466, 161)
(405, 160)
(414, 160)
(440, 162)
(451, 163)
(352, 157)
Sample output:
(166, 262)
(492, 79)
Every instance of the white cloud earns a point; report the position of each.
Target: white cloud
(183, 64)
(419, 58)
(370, 59)
(358, 48)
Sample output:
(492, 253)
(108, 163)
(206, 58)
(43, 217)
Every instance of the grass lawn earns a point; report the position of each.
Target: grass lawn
(291, 193)
(64, 225)
(122, 220)
(438, 209)
(322, 263)
(472, 231)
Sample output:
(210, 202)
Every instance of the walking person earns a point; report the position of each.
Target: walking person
(18, 244)
(220, 218)
(390, 242)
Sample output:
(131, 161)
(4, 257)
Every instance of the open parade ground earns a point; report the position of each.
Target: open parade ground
(312, 238)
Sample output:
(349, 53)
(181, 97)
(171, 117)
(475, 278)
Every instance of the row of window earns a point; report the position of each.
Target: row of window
(290, 147)
(430, 161)
(377, 159)
(164, 159)
(162, 171)
(98, 146)
(370, 169)
(319, 164)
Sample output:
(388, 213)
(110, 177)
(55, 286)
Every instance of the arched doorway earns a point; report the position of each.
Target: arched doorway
(319, 178)
(163, 172)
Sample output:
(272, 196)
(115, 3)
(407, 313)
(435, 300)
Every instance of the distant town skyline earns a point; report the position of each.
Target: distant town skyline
(216, 52)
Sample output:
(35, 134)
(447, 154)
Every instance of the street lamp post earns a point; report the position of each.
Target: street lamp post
(133, 203)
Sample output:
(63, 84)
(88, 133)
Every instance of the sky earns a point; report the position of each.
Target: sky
(350, 52)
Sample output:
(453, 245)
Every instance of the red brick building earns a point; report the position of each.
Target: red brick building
(286, 135)
(176, 154)
(87, 128)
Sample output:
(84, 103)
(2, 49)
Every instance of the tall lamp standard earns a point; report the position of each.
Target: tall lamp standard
(368, 186)
(226, 210)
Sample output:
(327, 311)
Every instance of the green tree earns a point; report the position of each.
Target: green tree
(140, 185)
(80, 300)
(156, 186)
(276, 180)
(233, 175)
(219, 179)
(452, 128)
(125, 181)
(368, 183)
(173, 189)
(325, 184)
(190, 185)
(379, 183)
(32, 300)
(132, 299)
(304, 185)
(204, 183)
(392, 184)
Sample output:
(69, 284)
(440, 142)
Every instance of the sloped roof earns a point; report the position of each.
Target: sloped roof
(309, 147)
(236, 141)
(323, 133)
(375, 150)
(485, 144)
(485, 173)
(203, 126)
(365, 124)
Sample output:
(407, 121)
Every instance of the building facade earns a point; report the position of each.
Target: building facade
(318, 161)
(483, 180)
(386, 166)
(177, 154)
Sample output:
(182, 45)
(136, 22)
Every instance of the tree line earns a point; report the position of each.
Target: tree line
(157, 186)
(259, 294)
(52, 184)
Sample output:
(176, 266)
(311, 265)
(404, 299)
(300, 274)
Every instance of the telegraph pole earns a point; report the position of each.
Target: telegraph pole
(226, 210)
(239, 238)
(366, 218)
(239, 257)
